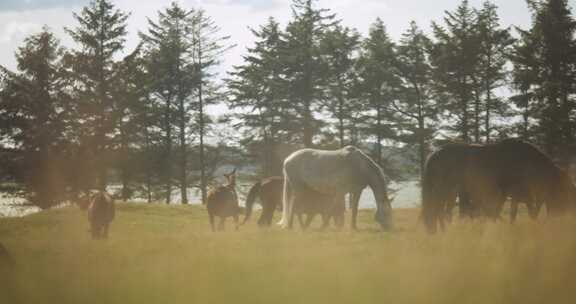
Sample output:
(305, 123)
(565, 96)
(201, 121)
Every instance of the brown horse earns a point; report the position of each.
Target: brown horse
(484, 176)
(223, 202)
(313, 203)
(101, 212)
(269, 192)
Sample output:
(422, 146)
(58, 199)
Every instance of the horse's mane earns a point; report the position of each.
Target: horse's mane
(370, 162)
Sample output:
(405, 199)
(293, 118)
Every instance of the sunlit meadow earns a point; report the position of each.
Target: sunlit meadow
(166, 254)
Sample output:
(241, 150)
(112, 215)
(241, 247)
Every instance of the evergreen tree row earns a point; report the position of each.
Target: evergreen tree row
(77, 119)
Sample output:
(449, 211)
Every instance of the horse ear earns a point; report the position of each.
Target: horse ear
(233, 171)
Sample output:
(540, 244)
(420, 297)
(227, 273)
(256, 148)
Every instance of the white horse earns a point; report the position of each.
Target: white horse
(336, 173)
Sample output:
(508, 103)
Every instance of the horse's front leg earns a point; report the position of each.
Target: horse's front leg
(211, 216)
(221, 224)
(309, 219)
(354, 198)
(105, 230)
(326, 221)
(236, 225)
(514, 210)
(535, 209)
(267, 213)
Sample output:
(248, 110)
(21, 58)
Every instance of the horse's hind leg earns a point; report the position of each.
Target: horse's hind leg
(514, 210)
(339, 221)
(309, 219)
(533, 209)
(326, 221)
(236, 222)
(94, 229)
(221, 223)
(267, 214)
(354, 198)
(105, 231)
(211, 216)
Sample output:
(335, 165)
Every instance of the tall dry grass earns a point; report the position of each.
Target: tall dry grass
(162, 254)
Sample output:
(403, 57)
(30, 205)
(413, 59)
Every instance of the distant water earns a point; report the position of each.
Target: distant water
(406, 195)
(14, 207)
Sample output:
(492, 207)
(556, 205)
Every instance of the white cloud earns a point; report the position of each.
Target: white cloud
(236, 16)
(17, 30)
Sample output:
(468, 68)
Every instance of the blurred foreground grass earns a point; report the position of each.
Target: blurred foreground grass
(166, 254)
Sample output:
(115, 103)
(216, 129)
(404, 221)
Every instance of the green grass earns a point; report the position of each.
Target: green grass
(166, 254)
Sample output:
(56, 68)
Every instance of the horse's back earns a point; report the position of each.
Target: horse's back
(271, 188)
(321, 170)
(101, 209)
(223, 201)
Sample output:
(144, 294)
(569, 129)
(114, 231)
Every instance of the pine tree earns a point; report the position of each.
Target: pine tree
(416, 107)
(526, 81)
(455, 57)
(130, 90)
(207, 48)
(257, 87)
(544, 73)
(339, 47)
(495, 47)
(305, 67)
(170, 43)
(34, 120)
(100, 34)
(379, 83)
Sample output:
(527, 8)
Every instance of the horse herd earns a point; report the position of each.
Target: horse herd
(477, 178)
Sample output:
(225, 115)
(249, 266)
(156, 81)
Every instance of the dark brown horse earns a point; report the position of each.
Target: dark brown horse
(269, 192)
(484, 176)
(101, 212)
(222, 202)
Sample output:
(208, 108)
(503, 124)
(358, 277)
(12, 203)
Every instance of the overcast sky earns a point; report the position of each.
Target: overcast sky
(19, 18)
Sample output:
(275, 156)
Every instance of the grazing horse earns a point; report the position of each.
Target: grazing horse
(312, 203)
(334, 173)
(223, 202)
(101, 212)
(484, 176)
(269, 192)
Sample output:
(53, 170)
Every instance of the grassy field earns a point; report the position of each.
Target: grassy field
(166, 254)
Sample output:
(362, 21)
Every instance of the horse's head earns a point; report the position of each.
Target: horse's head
(231, 178)
(384, 212)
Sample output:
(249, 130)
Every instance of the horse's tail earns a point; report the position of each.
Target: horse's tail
(286, 200)
(252, 194)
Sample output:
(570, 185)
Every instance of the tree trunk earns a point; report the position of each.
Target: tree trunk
(465, 127)
(421, 138)
(183, 157)
(308, 133)
(201, 129)
(168, 153)
(488, 89)
(526, 117)
(379, 134)
(340, 113)
(477, 110)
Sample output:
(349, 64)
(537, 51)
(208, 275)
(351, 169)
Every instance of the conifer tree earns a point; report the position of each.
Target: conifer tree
(416, 107)
(339, 47)
(35, 118)
(455, 57)
(304, 66)
(379, 82)
(100, 35)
